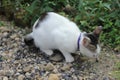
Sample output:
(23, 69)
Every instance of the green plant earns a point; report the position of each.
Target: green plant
(1, 23)
(99, 12)
(86, 13)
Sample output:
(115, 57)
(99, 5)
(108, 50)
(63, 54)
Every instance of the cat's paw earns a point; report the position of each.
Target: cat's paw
(48, 52)
(69, 59)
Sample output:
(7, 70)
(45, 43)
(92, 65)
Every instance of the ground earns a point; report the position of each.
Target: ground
(20, 62)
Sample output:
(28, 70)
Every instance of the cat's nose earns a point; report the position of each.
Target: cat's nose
(29, 41)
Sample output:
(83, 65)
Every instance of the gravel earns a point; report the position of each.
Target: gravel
(20, 62)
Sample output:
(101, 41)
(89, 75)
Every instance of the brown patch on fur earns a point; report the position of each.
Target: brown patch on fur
(94, 37)
(43, 16)
(91, 47)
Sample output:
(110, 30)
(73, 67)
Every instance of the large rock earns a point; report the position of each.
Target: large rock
(53, 77)
(49, 67)
(57, 57)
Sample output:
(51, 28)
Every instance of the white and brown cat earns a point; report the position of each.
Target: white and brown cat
(53, 31)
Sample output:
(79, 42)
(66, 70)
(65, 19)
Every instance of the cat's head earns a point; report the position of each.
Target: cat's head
(89, 45)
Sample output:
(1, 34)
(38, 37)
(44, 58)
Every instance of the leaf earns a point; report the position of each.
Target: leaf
(107, 5)
(84, 23)
(117, 22)
(102, 19)
(77, 18)
(1, 23)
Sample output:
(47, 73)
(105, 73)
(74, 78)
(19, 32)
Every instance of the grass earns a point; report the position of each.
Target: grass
(1, 23)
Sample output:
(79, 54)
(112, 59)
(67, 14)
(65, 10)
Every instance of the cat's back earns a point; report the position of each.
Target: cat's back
(56, 17)
(50, 20)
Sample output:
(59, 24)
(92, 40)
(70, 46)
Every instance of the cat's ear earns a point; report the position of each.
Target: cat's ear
(97, 31)
(86, 41)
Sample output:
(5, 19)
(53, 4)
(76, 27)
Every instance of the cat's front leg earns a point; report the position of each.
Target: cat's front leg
(68, 56)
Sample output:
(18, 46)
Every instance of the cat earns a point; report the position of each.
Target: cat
(53, 31)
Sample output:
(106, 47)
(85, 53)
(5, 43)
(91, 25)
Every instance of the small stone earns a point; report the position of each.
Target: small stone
(17, 39)
(17, 74)
(56, 57)
(74, 77)
(4, 39)
(8, 72)
(21, 77)
(118, 55)
(41, 66)
(37, 77)
(66, 67)
(105, 78)
(5, 78)
(19, 70)
(81, 78)
(27, 74)
(15, 45)
(13, 36)
(28, 68)
(49, 67)
(16, 62)
(5, 34)
(2, 72)
(53, 77)
(84, 58)
(3, 29)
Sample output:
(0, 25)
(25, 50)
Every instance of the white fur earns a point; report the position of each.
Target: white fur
(57, 32)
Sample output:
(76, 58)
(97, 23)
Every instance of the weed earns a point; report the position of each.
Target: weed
(86, 13)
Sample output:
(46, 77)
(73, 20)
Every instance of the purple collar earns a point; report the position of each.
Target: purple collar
(78, 41)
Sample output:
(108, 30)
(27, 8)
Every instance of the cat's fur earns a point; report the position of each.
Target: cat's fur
(53, 31)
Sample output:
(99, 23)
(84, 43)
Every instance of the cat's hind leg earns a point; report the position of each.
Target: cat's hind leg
(48, 52)
(29, 39)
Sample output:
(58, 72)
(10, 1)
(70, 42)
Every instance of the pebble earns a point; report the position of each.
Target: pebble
(17, 39)
(2, 72)
(4, 29)
(66, 67)
(56, 57)
(37, 77)
(53, 77)
(5, 78)
(5, 34)
(28, 68)
(27, 74)
(41, 66)
(17, 74)
(49, 67)
(21, 77)
(9, 72)
(13, 36)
